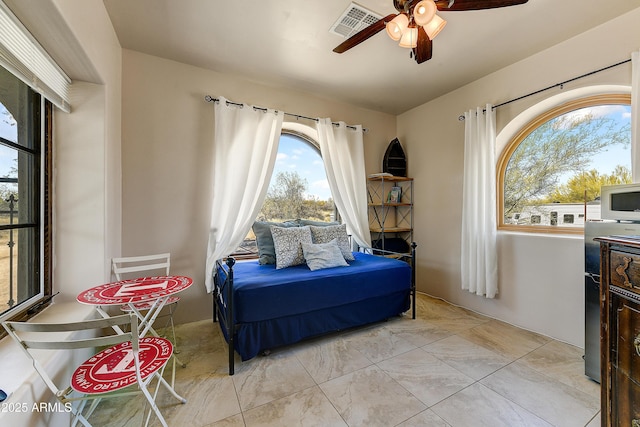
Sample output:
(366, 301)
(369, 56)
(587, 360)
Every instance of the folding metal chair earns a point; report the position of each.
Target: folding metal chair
(127, 361)
(147, 265)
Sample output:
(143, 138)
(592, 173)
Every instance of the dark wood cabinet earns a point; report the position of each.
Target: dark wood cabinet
(620, 330)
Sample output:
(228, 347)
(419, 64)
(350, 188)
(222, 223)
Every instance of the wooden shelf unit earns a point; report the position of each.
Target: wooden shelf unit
(390, 222)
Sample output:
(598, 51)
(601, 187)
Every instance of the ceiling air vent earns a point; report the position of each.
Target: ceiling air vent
(354, 19)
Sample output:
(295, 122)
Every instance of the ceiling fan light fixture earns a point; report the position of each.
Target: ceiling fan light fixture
(424, 12)
(397, 26)
(409, 38)
(434, 27)
(417, 23)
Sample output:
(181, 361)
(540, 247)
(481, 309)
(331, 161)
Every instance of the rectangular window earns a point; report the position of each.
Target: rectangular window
(25, 140)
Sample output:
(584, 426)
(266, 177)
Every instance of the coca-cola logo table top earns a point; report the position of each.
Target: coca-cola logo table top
(134, 290)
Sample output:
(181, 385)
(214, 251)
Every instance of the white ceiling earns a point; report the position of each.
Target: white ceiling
(288, 43)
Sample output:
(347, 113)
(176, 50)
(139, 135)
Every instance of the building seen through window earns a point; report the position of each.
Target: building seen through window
(550, 175)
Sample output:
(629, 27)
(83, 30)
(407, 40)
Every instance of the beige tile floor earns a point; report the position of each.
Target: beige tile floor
(449, 367)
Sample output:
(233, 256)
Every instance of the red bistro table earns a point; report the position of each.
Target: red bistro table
(155, 291)
(148, 294)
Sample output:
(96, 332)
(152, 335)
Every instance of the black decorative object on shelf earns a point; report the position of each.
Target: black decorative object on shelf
(395, 161)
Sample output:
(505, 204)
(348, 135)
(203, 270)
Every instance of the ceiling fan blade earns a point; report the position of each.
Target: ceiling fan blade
(424, 50)
(443, 5)
(364, 34)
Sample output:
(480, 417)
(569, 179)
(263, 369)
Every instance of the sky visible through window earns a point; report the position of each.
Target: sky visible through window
(8, 131)
(607, 160)
(296, 155)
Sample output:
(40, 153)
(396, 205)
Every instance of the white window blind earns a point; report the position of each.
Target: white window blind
(22, 55)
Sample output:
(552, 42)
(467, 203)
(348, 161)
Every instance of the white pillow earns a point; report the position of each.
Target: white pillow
(338, 232)
(287, 243)
(323, 255)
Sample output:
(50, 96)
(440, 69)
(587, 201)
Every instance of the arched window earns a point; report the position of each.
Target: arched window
(550, 173)
(298, 188)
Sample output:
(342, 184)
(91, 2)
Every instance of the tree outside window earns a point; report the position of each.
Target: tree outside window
(298, 189)
(550, 175)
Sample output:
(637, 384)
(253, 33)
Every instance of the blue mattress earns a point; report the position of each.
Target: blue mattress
(262, 293)
(273, 308)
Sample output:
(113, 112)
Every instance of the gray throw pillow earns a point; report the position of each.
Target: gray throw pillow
(288, 245)
(338, 232)
(316, 223)
(323, 255)
(264, 240)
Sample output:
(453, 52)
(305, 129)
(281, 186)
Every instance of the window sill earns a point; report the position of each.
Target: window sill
(573, 236)
(17, 377)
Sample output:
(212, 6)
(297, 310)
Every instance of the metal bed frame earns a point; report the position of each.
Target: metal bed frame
(223, 304)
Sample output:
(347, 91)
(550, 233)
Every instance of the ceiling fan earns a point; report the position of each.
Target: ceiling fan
(416, 24)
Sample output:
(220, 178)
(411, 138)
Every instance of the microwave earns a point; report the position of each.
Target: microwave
(620, 202)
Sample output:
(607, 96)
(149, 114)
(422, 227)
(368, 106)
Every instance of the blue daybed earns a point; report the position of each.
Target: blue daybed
(260, 307)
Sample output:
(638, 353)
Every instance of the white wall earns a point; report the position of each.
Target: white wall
(541, 277)
(166, 157)
(87, 200)
(79, 170)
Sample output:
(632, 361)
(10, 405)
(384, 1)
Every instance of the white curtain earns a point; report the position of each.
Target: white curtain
(635, 116)
(342, 151)
(479, 260)
(244, 151)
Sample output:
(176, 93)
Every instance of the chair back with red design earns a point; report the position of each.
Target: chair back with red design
(138, 266)
(127, 360)
(132, 267)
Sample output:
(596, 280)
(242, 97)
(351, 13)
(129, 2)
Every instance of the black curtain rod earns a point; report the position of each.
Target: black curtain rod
(209, 98)
(461, 117)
